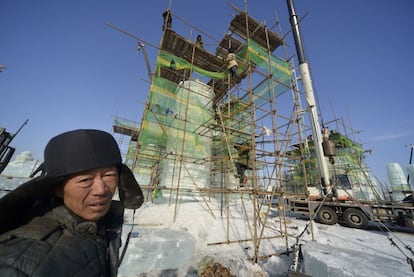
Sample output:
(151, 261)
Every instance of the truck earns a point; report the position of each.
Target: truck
(355, 214)
(326, 176)
(354, 197)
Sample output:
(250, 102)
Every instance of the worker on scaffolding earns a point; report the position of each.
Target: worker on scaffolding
(155, 181)
(199, 41)
(242, 161)
(167, 19)
(232, 64)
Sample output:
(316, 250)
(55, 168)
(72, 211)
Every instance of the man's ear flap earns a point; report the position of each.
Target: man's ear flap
(58, 190)
(130, 193)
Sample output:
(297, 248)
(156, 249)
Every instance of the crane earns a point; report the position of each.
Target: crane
(6, 152)
(141, 46)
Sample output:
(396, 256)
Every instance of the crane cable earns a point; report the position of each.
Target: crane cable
(384, 228)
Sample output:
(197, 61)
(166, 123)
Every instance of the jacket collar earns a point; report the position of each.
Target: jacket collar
(74, 223)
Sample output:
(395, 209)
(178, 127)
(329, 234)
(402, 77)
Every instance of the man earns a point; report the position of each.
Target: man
(64, 222)
(167, 19)
(242, 161)
(199, 41)
(232, 64)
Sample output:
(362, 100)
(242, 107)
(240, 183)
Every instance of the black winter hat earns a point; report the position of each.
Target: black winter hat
(66, 154)
(80, 150)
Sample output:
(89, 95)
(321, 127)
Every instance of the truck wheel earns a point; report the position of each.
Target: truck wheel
(355, 218)
(327, 215)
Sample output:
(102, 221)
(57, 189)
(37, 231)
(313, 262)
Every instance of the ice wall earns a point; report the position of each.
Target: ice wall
(17, 172)
(156, 249)
(327, 260)
(189, 141)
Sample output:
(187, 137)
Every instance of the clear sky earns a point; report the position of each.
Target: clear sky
(67, 69)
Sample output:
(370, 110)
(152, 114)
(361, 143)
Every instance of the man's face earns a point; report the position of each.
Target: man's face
(89, 194)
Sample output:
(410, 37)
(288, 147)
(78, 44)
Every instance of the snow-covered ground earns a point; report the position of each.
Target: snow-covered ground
(182, 236)
(161, 244)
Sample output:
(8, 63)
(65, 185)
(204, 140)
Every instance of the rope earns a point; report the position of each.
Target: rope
(390, 233)
(409, 260)
(382, 226)
(127, 240)
(296, 247)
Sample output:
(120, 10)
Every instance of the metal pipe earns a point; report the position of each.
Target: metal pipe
(21, 127)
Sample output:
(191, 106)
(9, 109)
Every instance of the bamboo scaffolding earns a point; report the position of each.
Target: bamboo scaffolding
(253, 114)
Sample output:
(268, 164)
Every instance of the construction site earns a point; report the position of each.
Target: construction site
(211, 134)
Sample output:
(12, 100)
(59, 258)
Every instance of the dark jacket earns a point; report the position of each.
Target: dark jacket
(62, 244)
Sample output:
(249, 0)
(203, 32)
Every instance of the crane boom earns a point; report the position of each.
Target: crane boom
(6, 152)
(141, 45)
(310, 98)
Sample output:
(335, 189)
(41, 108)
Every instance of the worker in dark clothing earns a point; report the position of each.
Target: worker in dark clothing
(64, 222)
(199, 41)
(167, 19)
(242, 161)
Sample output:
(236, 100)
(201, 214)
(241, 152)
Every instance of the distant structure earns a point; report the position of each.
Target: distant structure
(410, 171)
(398, 181)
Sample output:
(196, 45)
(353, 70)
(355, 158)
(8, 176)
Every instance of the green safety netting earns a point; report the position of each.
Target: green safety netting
(348, 160)
(250, 52)
(280, 70)
(175, 115)
(126, 123)
(174, 111)
(171, 61)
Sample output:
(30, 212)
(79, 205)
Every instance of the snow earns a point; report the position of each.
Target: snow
(181, 236)
(17, 171)
(22, 165)
(335, 250)
(318, 261)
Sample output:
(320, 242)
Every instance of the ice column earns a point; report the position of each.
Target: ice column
(188, 148)
(398, 180)
(410, 171)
